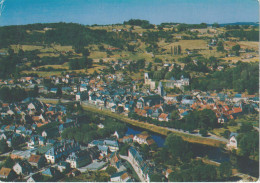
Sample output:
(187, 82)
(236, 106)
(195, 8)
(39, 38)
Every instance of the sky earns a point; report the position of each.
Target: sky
(88, 12)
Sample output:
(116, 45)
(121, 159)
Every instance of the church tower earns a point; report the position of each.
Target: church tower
(160, 89)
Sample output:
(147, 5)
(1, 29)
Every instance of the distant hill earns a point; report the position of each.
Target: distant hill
(241, 23)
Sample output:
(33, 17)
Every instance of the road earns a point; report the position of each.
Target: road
(211, 136)
(134, 167)
(124, 118)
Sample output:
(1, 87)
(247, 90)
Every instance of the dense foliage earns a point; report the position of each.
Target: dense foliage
(195, 171)
(89, 131)
(61, 33)
(143, 23)
(243, 77)
(14, 94)
(252, 35)
(178, 148)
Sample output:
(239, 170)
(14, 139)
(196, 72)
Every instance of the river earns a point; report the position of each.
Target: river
(216, 154)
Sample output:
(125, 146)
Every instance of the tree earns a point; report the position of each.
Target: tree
(111, 170)
(78, 48)
(156, 177)
(171, 177)
(226, 134)
(178, 147)
(89, 62)
(95, 74)
(179, 49)
(20, 53)
(149, 67)
(248, 144)
(225, 170)
(168, 75)
(203, 132)
(236, 48)
(220, 46)
(246, 127)
(59, 92)
(85, 52)
(124, 149)
(145, 150)
(3, 146)
(36, 91)
(9, 162)
(101, 61)
(215, 24)
(179, 98)
(158, 60)
(175, 115)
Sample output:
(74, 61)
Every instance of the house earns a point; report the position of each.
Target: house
(93, 152)
(33, 141)
(163, 117)
(116, 135)
(95, 143)
(141, 138)
(222, 119)
(112, 144)
(37, 161)
(113, 108)
(50, 172)
(63, 166)
(42, 141)
(113, 158)
(53, 90)
(20, 154)
(120, 167)
(35, 178)
(100, 125)
(167, 172)
(103, 149)
(81, 96)
(22, 168)
(7, 173)
(63, 149)
(128, 139)
(119, 177)
(79, 159)
(20, 129)
(232, 143)
(74, 172)
(103, 145)
(5, 135)
(96, 165)
(142, 166)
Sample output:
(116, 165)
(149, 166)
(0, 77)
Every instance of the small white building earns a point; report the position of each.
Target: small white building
(22, 168)
(141, 138)
(232, 144)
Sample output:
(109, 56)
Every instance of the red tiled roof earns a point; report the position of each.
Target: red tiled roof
(34, 158)
(237, 110)
(163, 116)
(5, 171)
(169, 171)
(150, 141)
(142, 136)
(5, 105)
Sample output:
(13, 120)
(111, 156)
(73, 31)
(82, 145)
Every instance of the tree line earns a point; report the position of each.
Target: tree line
(243, 77)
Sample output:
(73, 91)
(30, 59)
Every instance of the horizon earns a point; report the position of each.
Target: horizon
(122, 23)
(107, 12)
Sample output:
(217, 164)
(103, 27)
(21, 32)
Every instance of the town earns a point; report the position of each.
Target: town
(94, 111)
